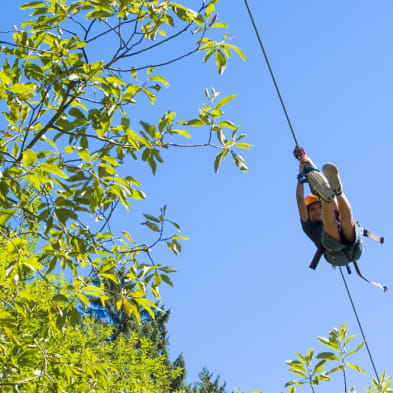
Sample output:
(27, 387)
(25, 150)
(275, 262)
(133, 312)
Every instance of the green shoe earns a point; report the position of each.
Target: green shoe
(331, 172)
(320, 185)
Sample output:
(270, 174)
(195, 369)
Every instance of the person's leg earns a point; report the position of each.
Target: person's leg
(346, 218)
(329, 219)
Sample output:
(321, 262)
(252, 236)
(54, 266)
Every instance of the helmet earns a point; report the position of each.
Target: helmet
(310, 199)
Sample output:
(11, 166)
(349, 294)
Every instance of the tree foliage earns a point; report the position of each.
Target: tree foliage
(72, 77)
(315, 369)
(207, 383)
(36, 356)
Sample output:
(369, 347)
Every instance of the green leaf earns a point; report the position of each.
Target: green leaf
(319, 367)
(75, 317)
(221, 62)
(186, 14)
(60, 298)
(28, 158)
(24, 91)
(160, 79)
(227, 124)
(220, 25)
(238, 51)
(240, 163)
(219, 158)
(111, 277)
(348, 339)
(167, 280)
(77, 113)
(128, 236)
(293, 383)
(151, 218)
(225, 101)
(8, 319)
(193, 122)
(153, 165)
(99, 14)
(33, 4)
(356, 367)
(137, 194)
(174, 246)
(299, 373)
(115, 80)
(64, 214)
(83, 298)
(54, 169)
(296, 364)
(32, 263)
(180, 132)
(93, 290)
(84, 155)
(118, 191)
(243, 146)
(328, 356)
(177, 226)
(356, 349)
(151, 226)
(148, 305)
(328, 343)
(11, 336)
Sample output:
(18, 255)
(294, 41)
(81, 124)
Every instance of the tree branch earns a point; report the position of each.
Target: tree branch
(62, 107)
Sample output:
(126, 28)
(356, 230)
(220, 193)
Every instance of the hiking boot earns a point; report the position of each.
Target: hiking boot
(331, 172)
(320, 186)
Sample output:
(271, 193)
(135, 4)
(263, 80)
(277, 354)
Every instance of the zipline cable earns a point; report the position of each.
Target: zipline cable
(271, 73)
(360, 326)
(297, 145)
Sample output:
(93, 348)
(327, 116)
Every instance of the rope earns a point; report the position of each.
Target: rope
(297, 145)
(271, 73)
(360, 325)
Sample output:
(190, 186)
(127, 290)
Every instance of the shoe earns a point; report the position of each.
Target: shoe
(320, 186)
(331, 172)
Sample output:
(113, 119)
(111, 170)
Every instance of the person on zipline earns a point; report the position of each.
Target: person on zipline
(326, 215)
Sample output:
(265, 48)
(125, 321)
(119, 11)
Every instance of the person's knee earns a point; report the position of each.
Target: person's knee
(349, 233)
(352, 231)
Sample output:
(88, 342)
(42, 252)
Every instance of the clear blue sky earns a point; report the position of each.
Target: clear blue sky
(244, 299)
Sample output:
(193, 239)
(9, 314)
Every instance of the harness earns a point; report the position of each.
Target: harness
(318, 254)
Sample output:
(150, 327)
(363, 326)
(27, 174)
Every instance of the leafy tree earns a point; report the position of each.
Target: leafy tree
(207, 384)
(152, 329)
(36, 356)
(67, 134)
(312, 374)
(69, 127)
(179, 382)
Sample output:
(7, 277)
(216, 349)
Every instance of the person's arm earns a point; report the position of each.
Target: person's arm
(301, 205)
(302, 208)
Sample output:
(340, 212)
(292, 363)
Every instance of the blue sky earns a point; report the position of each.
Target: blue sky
(244, 299)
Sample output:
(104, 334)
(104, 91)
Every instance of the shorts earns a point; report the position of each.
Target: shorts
(340, 254)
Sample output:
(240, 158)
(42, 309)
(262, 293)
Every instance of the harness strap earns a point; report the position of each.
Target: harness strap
(373, 236)
(383, 287)
(317, 257)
